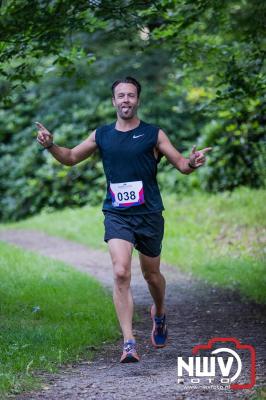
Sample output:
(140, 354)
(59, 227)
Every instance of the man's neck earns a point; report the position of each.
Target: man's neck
(126, 125)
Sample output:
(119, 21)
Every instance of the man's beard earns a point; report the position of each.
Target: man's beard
(132, 110)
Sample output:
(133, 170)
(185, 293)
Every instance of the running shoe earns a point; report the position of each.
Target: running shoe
(159, 331)
(129, 352)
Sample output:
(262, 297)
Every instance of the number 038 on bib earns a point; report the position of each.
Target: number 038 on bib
(127, 194)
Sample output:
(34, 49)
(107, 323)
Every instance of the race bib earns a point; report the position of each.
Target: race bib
(127, 194)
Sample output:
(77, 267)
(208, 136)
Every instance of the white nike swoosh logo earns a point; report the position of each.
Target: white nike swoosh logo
(135, 137)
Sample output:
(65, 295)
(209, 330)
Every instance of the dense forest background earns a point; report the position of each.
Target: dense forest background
(202, 68)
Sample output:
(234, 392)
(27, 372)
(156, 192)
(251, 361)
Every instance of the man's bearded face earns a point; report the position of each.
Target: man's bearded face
(126, 100)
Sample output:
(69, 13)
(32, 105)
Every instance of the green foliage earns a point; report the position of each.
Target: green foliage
(71, 108)
(218, 49)
(30, 178)
(31, 30)
(238, 137)
(202, 66)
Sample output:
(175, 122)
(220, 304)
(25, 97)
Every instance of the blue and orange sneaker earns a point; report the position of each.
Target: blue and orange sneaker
(129, 352)
(159, 331)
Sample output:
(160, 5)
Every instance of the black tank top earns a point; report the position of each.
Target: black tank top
(127, 157)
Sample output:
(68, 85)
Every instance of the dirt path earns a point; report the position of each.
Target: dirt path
(197, 312)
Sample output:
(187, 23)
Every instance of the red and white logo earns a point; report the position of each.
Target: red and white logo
(222, 360)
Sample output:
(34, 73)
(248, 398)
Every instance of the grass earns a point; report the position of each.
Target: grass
(50, 314)
(219, 238)
(260, 394)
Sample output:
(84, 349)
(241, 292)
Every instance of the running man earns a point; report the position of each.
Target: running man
(130, 150)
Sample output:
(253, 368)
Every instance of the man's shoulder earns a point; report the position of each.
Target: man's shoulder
(151, 130)
(105, 128)
(150, 126)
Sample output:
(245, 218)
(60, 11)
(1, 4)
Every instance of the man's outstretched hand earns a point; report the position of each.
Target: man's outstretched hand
(44, 137)
(197, 158)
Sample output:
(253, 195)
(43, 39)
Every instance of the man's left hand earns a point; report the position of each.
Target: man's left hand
(197, 158)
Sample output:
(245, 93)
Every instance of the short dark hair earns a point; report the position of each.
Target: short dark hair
(127, 79)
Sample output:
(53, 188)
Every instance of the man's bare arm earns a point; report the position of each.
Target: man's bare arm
(184, 165)
(65, 155)
(84, 149)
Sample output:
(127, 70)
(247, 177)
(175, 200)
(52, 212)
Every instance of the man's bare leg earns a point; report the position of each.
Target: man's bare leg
(121, 254)
(150, 267)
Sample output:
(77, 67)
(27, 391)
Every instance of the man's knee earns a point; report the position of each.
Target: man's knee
(153, 277)
(122, 274)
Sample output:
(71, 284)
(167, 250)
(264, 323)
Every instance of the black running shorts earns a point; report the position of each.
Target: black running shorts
(145, 231)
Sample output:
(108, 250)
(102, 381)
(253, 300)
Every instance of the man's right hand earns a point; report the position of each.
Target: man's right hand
(44, 137)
